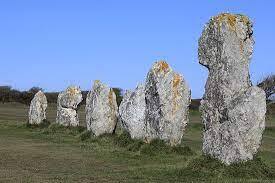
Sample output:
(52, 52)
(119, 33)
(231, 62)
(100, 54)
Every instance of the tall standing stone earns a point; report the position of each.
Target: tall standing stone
(167, 98)
(233, 112)
(67, 105)
(37, 111)
(101, 109)
(132, 112)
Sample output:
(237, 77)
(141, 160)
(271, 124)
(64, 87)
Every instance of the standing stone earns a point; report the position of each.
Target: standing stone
(167, 98)
(67, 105)
(132, 112)
(101, 109)
(37, 112)
(233, 112)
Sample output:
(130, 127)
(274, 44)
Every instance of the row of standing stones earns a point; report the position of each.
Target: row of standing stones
(233, 111)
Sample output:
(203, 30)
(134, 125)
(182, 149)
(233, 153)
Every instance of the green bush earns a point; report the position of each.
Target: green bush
(135, 146)
(54, 127)
(206, 168)
(85, 135)
(156, 146)
(123, 140)
(183, 150)
(45, 124)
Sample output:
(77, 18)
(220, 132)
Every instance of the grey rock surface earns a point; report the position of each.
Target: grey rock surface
(38, 106)
(67, 105)
(101, 109)
(233, 112)
(167, 98)
(132, 112)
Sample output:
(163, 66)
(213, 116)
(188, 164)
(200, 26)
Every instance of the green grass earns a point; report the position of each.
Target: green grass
(52, 153)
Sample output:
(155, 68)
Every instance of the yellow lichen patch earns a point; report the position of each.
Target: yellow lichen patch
(245, 19)
(72, 90)
(97, 81)
(230, 18)
(162, 66)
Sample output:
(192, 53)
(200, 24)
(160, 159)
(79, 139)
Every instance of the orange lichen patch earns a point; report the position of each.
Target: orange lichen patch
(177, 79)
(175, 91)
(231, 19)
(110, 96)
(162, 66)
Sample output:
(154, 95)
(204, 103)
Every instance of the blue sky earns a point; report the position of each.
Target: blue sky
(56, 43)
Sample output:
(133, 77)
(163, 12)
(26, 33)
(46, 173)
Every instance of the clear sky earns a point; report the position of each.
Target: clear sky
(56, 43)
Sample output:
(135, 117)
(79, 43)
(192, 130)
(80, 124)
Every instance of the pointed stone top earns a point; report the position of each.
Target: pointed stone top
(99, 84)
(39, 94)
(161, 67)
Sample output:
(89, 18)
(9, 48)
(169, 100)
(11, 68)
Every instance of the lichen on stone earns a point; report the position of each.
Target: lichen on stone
(38, 106)
(161, 66)
(177, 79)
(67, 105)
(233, 111)
(231, 19)
(101, 109)
(167, 98)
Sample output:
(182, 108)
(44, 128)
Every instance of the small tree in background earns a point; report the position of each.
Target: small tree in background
(5, 93)
(35, 89)
(119, 95)
(268, 85)
(27, 96)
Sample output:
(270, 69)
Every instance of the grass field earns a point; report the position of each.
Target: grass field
(55, 154)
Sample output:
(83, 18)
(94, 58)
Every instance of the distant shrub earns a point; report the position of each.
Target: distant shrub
(119, 96)
(195, 104)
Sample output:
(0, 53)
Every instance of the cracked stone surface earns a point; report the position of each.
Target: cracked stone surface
(67, 105)
(233, 111)
(157, 109)
(101, 109)
(132, 112)
(38, 106)
(167, 99)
